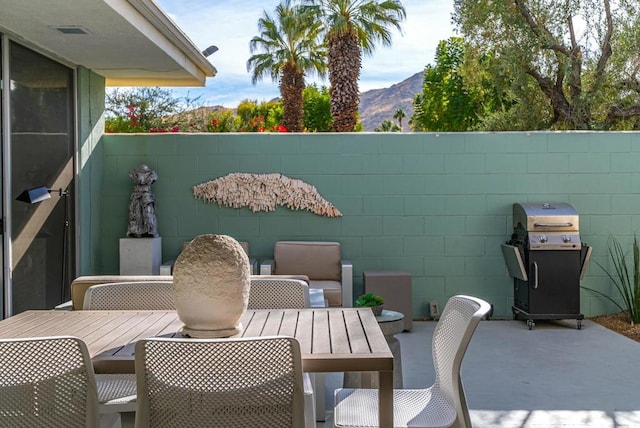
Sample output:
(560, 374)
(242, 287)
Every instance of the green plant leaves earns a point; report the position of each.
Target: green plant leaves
(627, 283)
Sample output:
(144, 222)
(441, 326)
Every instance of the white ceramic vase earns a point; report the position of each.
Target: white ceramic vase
(211, 286)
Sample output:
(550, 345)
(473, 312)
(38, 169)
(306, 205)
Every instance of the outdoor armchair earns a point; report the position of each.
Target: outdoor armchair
(320, 262)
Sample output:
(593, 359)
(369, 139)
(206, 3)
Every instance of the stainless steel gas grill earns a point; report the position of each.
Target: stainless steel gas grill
(547, 260)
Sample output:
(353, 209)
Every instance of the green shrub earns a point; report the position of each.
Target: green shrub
(627, 282)
(369, 299)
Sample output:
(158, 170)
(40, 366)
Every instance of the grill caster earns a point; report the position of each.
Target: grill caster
(530, 324)
(579, 324)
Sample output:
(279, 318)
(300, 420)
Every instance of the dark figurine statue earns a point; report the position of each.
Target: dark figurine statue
(142, 204)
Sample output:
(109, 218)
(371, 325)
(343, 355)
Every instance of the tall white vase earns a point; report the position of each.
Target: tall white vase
(211, 286)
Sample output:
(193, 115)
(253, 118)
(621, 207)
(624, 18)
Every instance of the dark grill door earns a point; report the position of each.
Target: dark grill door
(558, 283)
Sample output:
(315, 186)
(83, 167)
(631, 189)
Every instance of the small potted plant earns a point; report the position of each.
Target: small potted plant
(372, 301)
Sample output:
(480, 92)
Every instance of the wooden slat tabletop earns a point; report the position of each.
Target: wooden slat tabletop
(331, 339)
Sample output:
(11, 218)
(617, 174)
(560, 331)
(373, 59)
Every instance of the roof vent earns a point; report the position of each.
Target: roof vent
(71, 29)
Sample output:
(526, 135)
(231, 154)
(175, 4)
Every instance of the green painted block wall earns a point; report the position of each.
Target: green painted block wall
(436, 205)
(90, 161)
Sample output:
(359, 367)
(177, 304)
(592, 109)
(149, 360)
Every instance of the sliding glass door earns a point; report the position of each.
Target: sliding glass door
(41, 154)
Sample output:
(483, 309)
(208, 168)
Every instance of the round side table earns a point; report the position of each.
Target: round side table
(391, 323)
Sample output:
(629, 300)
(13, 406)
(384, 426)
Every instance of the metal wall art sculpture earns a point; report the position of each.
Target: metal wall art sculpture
(263, 192)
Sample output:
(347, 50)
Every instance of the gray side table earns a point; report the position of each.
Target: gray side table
(395, 288)
(391, 323)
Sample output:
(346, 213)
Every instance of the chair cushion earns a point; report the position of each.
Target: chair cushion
(317, 260)
(332, 291)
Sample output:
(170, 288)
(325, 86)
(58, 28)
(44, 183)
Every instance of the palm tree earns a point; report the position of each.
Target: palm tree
(352, 27)
(288, 48)
(399, 115)
(387, 126)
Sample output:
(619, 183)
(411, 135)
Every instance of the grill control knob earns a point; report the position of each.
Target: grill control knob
(543, 239)
(566, 238)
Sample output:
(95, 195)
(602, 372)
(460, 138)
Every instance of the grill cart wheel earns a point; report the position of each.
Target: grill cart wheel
(530, 324)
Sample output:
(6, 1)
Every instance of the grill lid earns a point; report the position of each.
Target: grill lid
(545, 217)
(546, 226)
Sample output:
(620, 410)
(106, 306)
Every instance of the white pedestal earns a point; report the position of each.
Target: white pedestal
(140, 256)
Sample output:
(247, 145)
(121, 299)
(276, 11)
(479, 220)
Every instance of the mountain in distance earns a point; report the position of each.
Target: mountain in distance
(378, 105)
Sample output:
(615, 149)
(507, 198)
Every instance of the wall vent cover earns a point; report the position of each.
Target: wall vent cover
(71, 29)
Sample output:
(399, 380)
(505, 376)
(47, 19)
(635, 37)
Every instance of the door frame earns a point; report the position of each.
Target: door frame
(5, 279)
(6, 236)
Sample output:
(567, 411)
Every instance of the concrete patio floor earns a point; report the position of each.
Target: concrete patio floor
(552, 376)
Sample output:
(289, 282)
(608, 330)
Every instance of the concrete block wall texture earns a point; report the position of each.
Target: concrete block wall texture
(90, 160)
(436, 205)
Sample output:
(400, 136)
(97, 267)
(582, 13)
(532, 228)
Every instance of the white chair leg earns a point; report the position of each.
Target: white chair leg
(309, 401)
(318, 381)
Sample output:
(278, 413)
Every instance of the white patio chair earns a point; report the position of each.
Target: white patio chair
(283, 293)
(441, 405)
(49, 382)
(136, 295)
(117, 392)
(278, 293)
(248, 382)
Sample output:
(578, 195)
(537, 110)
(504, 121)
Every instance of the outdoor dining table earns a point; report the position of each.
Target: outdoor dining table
(331, 339)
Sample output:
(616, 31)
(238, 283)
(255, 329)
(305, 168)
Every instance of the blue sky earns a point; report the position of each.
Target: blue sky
(231, 24)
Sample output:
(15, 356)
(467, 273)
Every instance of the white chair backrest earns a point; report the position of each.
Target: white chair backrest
(47, 382)
(136, 295)
(249, 382)
(451, 337)
(278, 293)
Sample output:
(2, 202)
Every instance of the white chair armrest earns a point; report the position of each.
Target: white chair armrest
(316, 298)
(253, 266)
(266, 267)
(166, 268)
(66, 306)
(347, 284)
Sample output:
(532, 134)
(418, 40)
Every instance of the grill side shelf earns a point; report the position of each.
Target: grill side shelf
(512, 258)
